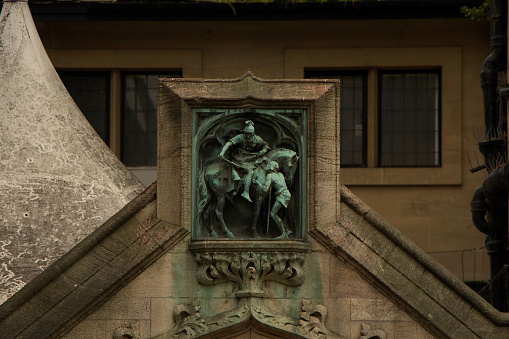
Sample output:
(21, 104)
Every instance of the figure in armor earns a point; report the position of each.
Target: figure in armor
(248, 153)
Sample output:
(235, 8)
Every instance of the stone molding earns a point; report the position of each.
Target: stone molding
(443, 304)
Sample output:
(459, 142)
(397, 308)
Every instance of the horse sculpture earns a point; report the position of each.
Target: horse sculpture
(215, 181)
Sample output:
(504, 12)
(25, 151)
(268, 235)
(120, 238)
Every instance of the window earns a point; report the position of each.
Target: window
(133, 135)
(91, 91)
(139, 118)
(353, 137)
(445, 64)
(408, 117)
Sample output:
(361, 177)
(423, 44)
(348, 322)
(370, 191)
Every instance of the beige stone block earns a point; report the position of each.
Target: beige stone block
(317, 281)
(411, 329)
(316, 246)
(347, 283)
(377, 310)
(123, 308)
(338, 316)
(89, 329)
(101, 329)
(173, 274)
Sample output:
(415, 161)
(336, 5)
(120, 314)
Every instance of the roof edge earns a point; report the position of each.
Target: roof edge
(499, 318)
(77, 252)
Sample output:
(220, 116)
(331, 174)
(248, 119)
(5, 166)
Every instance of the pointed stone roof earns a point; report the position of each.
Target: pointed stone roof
(122, 248)
(59, 180)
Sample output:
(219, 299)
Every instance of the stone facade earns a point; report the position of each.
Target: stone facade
(350, 300)
(142, 274)
(417, 201)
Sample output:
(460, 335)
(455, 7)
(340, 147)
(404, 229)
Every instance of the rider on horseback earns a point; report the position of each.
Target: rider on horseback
(250, 151)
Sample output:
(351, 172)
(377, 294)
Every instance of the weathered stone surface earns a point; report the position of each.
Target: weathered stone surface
(96, 268)
(59, 180)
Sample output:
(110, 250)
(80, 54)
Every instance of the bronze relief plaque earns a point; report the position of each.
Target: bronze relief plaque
(248, 173)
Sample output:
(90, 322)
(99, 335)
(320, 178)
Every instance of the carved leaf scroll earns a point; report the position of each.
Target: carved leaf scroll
(312, 321)
(250, 270)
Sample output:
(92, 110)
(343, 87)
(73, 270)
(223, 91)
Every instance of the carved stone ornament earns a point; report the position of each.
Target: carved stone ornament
(127, 331)
(367, 332)
(250, 270)
(309, 326)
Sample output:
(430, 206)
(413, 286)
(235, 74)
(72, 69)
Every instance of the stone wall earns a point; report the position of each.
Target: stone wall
(148, 302)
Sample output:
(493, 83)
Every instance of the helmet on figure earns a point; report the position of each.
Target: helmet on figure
(249, 127)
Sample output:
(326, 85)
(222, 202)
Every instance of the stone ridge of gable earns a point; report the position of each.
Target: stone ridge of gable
(95, 269)
(408, 275)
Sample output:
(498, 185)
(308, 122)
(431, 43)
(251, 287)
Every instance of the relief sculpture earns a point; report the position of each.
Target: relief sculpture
(245, 180)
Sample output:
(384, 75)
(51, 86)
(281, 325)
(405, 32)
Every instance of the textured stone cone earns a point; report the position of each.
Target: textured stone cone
(58, 180)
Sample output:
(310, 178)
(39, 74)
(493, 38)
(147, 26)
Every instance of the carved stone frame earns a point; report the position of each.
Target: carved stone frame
(178, 98)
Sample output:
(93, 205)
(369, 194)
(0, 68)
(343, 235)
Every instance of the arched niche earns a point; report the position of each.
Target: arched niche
(283, 129)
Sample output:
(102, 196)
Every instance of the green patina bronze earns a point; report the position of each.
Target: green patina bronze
(248, 173)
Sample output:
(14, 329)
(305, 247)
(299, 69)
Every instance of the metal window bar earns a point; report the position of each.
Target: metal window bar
(409, 119)
(139, 117)
(353, 114)
(91, 92)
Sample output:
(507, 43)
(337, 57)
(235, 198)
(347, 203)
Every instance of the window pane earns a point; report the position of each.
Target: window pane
(90, 91)
(139, 116)
(409, 119)
(352, 110)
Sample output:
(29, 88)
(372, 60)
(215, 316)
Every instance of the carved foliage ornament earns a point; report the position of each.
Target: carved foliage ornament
(250, 270)
(310, 325)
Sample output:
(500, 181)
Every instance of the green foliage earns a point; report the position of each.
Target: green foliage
(480, 13)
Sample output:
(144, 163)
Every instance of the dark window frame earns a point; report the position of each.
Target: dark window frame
(436, 71)
(160, 73)
(82, 74)
(335, 74)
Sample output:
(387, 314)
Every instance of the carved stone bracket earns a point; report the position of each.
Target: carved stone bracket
(128, 330)
(312, 321)
(310, 325)
(188, 320)
(367, 332)
(250, 270)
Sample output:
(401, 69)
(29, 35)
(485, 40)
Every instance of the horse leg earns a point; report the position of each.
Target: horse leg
(219, 213)
(202, 208)
(257, 207)
(210, 218)
(279, 222)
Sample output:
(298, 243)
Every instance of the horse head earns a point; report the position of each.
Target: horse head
(287, 161)
(292, 168)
